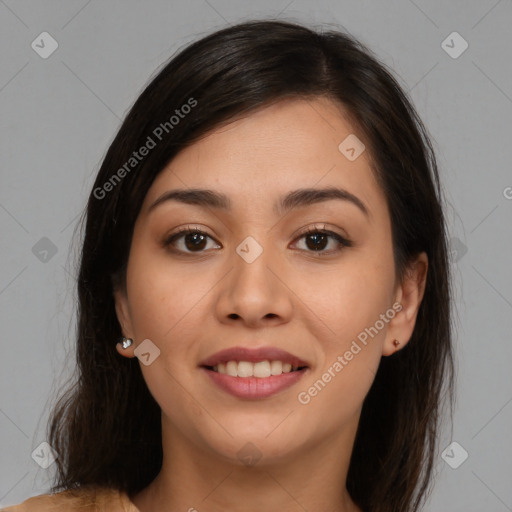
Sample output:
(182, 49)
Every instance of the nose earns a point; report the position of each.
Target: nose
(255, 292)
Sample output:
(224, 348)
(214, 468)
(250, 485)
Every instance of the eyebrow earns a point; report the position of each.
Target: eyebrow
(292, 200)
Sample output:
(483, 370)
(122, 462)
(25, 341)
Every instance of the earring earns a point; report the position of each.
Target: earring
(126, 342)
(396, 343)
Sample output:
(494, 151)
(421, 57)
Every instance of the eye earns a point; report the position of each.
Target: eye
(194, 239)
(317, 239)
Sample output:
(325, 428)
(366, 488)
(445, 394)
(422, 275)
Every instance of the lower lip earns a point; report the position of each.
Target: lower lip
(254, 387)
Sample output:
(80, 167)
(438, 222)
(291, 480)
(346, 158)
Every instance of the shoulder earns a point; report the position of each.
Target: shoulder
(87, 499)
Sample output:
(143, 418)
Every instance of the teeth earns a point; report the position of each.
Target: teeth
(276, 367)
(260, 369)
(245, 369)
(231, 368)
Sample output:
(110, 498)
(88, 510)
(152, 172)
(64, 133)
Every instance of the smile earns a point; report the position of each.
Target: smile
(254, 373)
(251, 386)
(261, 369)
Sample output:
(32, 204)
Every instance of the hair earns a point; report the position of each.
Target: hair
(106, 427)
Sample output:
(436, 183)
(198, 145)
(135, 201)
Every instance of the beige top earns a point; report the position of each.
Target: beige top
(82, 500)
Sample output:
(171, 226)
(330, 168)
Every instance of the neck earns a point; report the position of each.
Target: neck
(195, 478)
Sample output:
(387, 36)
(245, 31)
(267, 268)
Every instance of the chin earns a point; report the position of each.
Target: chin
(250, 448)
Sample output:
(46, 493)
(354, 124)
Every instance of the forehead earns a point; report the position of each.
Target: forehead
(294, 143)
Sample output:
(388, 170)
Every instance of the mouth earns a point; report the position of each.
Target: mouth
(254, 373)
(260, 369)
(264, 361)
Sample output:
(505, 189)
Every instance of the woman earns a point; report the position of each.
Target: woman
(266, 234)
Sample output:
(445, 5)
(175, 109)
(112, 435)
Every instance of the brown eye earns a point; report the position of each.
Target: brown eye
(194, 240)
(190, 240)
(318, 239)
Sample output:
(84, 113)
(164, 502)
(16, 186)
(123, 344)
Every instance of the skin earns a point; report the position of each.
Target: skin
(193, 304)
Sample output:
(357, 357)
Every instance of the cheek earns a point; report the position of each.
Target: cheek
(350, 357)
(161, 296)
(336, 397)
(162, 305)
(350, 302)
(350, 297)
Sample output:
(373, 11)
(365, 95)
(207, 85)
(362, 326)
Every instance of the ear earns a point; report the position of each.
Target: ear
(124, 319)
(409, 294)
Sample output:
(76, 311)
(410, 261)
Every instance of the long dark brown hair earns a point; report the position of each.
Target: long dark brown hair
(106, 427)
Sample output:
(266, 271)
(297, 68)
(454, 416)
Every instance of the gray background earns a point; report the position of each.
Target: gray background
(58, 116)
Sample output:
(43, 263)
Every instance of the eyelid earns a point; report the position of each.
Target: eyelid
(190, 229)
(186, 230)
(342, 240)
(320, 227)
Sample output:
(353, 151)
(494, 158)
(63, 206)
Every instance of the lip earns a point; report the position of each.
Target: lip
(253, 355)
(254, 387)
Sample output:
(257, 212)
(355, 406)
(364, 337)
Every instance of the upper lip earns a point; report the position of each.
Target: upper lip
(253, 355)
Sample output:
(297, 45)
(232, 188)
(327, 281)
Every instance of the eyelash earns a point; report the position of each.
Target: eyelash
(344, 242)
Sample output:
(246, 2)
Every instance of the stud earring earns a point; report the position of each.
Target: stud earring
(396, 343)
(126, 342)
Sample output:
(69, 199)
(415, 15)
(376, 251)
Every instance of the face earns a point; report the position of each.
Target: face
(252, 276)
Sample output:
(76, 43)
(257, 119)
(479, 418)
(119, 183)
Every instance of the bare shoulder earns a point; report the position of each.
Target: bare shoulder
(79, 500)
(43, 502)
